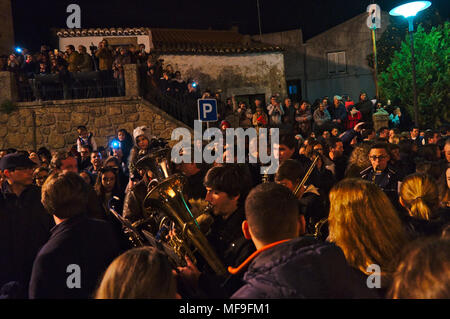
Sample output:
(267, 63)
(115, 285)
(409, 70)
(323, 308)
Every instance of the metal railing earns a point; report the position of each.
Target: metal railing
(80, 85)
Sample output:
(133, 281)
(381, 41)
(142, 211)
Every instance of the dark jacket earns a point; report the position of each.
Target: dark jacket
(133, 208)
(232, 248)
(388, 181)
(89, 243)
(303, 268)
(24, 228)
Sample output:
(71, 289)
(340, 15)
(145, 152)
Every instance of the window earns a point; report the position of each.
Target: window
(337, 62)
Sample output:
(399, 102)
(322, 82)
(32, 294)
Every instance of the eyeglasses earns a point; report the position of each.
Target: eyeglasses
(374, 158)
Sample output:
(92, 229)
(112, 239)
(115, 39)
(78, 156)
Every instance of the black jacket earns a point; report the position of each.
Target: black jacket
(88, 243)
(24, 228)
(303, 268)
(228, 241)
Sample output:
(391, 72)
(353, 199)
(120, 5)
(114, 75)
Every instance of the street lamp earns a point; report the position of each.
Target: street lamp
(409, 11)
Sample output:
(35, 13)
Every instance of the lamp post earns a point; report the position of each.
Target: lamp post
(409, 11)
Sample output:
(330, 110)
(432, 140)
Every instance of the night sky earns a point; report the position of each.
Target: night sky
(34, 19)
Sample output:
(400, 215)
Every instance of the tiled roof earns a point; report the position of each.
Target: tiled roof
(64, 33)
(206, 41)
(183, 40)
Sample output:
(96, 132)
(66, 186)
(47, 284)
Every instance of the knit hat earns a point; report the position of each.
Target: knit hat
(226, 123)
(142, 130)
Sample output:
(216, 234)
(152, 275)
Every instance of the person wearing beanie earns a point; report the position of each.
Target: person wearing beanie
(142, 140)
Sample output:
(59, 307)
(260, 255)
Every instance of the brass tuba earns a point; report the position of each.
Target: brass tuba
(168, 197)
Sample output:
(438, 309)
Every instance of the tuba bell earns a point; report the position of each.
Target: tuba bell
(168, 197)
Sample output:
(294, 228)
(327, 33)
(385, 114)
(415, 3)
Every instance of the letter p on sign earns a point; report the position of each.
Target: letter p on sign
(207, 110)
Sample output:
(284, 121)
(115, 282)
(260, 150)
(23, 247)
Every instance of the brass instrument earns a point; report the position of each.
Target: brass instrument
(168, 197)
(300, 185)
(130, 231)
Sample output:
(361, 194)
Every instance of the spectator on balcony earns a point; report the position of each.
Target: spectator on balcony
(164, 83)
(105, 56)
(122, 59)
(132, 53)
(13, 64)
(179, 85)
(86, 64)
(73, 59)
(170, 71)
(142, 56)
(29, 67)
(245, 115)
(152, 80)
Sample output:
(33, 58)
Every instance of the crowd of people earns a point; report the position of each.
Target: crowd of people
(45, 74)
(377, 195)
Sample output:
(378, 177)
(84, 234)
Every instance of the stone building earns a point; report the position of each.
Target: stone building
(216, 60)
(6, 27)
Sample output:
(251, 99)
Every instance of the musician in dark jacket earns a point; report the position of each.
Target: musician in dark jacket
(79, 250)
(381, 174)
(24, 223)
(286, 265)
(226, 186)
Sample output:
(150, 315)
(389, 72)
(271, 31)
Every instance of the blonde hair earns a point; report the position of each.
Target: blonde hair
(419, 194)
(365, 225)
(424, 273)
(139, 273)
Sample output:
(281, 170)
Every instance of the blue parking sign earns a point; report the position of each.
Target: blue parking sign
(207, 110)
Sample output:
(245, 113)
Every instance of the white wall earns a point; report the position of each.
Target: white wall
(256, 73)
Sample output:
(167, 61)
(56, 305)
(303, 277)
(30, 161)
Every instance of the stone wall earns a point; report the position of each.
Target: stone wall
(53, 123)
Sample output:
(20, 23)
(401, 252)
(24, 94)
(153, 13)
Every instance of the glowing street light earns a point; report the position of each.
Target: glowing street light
(409, 11)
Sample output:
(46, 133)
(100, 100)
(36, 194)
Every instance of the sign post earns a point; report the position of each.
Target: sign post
(374, 22)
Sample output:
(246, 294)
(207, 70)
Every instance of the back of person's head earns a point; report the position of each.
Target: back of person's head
(419, 194)
(65, 195)
(428, 152)
(272, 213)
(360, 155)
(139, 273)
(365, 225)
(291, 170)
(424, 272)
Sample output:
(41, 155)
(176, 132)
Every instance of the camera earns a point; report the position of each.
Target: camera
(92, 47)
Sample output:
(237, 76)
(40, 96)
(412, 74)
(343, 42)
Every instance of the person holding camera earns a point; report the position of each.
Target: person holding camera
(105, 56)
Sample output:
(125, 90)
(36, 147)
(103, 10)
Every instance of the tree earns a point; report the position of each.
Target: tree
(432, 52)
